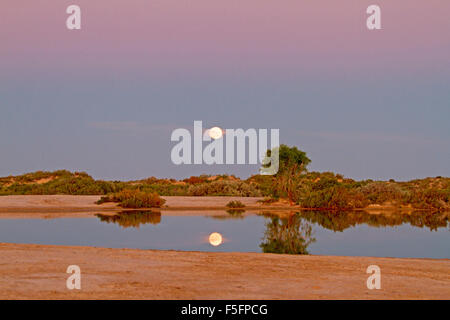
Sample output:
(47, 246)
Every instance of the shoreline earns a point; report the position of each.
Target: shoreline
(34, 271)
(77, 203)
(39, 272)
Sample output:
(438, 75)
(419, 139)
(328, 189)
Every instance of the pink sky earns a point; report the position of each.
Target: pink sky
(367, 104)
(216, 36)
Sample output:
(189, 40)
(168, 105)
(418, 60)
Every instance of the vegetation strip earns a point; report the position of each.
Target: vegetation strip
(293, 184)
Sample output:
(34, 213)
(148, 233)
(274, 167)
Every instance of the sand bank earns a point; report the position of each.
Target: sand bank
(39, 272)
(61, 203)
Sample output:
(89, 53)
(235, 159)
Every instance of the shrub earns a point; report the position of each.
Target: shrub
(309, 189)
(264, 183)
(135, 199)
(380, 192)
(196, 180)
(337, 197)
(60, 182)
(166, 189)
(224, 188)
(268, 200)
(429, 199)
(235, 204)
(104, 199)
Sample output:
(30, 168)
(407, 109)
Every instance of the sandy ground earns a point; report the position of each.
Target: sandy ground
(39, 272)
(59, 205)
(63, 206)
(92, 214)
(63, 203)
(56, 202)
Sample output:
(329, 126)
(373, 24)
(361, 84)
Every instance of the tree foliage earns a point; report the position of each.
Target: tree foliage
(292, 163)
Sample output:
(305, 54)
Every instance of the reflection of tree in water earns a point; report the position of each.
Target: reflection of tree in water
(341, 220)
(231, 214)
(291, 235)
(132, 219)
(235, 212)
(294, 235)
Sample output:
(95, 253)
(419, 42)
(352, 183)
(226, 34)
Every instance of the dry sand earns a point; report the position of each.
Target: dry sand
(39, 272)
(64, 206)
(61, 203)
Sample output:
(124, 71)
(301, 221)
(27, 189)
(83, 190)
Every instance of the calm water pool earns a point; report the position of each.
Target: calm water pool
(324, 233)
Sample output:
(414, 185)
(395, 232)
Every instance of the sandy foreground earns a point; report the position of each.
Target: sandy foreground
(39, 272)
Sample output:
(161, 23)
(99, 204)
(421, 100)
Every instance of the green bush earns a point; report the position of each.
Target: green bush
(134, 199)
(336, 197)
(165, 189)
(61, 182)
(268, 200)
(224, 188)
(309, 189)
(380, 192)
(235, 204)
(429, 199)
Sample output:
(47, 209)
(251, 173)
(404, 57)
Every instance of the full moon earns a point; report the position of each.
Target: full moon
(215, 239)
(215, 133)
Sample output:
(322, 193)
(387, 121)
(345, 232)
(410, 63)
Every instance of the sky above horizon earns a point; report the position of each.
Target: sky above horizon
(105, 99)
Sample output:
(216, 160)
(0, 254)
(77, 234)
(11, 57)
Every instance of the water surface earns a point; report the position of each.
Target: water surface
(326, 233)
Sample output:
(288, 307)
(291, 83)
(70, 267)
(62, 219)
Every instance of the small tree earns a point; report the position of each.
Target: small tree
(292, 163)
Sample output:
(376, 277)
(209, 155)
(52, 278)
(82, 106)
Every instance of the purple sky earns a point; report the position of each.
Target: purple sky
(367, 104)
